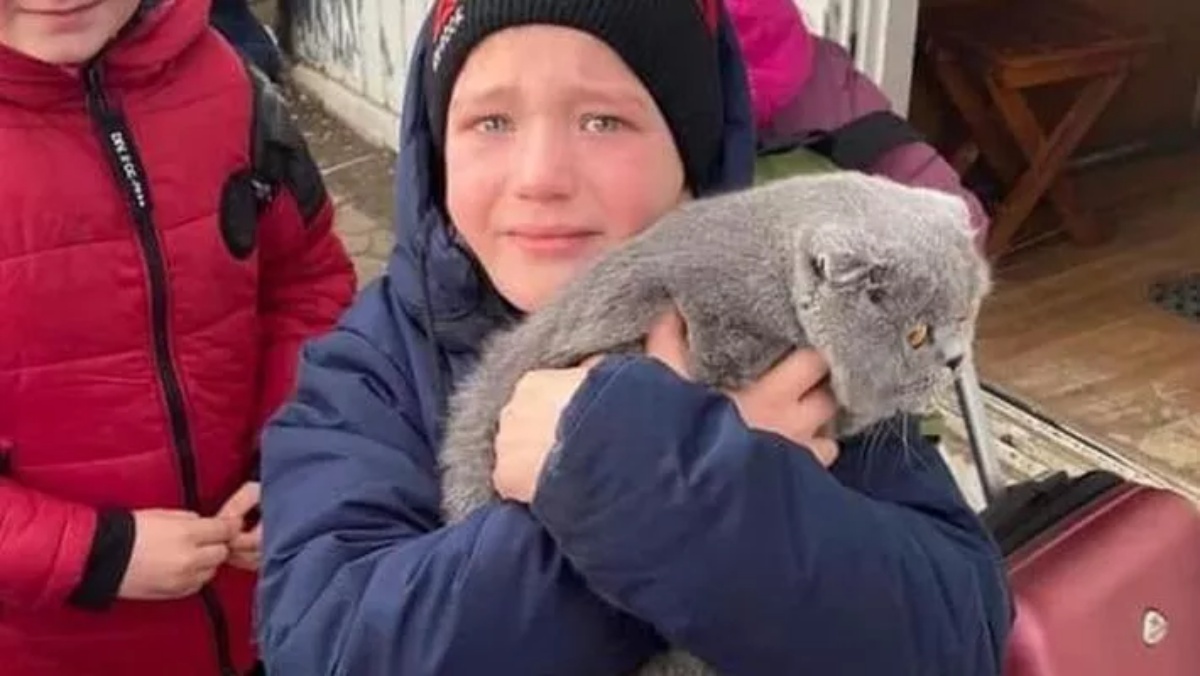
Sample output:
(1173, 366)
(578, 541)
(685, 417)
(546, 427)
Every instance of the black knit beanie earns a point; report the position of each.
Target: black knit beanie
(671, 45)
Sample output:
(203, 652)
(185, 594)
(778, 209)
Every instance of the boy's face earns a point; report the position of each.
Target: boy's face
(63, 32)
(555, 153)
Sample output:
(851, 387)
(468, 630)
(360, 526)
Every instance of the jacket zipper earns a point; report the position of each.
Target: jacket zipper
(130, 175)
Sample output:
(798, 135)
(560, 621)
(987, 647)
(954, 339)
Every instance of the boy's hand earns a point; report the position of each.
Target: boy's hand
(244, 547)
(792, 399)
(527, 428)
(174, 554)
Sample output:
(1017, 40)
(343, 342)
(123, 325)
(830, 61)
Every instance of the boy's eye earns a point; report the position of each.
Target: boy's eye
(600, 124)
(492, 124)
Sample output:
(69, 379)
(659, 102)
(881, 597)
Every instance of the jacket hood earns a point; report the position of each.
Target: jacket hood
(436, 280)
(159, 32)
(778, 50)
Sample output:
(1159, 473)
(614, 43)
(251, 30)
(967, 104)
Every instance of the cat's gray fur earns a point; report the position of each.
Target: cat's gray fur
(843, 262)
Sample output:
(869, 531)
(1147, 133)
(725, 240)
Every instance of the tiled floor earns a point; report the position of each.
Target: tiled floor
(359, 177)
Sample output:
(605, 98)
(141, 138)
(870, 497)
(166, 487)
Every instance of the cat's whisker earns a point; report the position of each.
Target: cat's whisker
(882, 432)
(897, 428)
(876, 435)
(909, 450)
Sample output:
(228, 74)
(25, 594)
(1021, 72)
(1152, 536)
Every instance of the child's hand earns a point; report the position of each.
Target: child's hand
(792, 399)
(527, 428)
(244, 548)
(174, 554)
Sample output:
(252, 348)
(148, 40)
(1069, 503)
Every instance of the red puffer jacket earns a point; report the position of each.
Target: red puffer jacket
(149, 323)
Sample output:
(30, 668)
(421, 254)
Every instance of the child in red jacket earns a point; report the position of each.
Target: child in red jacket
(165, 249)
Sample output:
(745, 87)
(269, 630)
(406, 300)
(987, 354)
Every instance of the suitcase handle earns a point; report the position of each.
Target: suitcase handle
(979, 435)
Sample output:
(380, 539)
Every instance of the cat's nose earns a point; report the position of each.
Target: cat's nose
(954, 362)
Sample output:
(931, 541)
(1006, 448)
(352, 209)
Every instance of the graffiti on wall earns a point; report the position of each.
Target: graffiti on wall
(328, 33)
(362, 44)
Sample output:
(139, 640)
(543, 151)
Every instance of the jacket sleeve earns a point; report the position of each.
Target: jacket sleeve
(307, 282)
(44, 545)
(55, 551)
(740, 548)
(836, 93)
(359, 574)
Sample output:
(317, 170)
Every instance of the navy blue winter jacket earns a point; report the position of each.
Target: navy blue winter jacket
(661, 518)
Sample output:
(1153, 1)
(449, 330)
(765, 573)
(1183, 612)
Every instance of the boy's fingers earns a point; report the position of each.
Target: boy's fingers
(211, 556)
(250, 541)
(247, 563)
(667, 342)
(211, 531)
(798, 372)
(825, 450)
(241, 502)
(820, 406)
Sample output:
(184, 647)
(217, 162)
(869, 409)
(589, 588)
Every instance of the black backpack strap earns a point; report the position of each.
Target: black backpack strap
(856, 145)
(279, 154)
(781, 145)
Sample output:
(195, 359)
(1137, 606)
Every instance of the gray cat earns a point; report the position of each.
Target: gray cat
(883, 279)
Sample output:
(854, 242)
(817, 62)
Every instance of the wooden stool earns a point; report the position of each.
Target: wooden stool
(1009, 47)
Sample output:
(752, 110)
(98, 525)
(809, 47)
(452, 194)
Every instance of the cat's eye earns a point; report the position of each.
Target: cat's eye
(918, 335)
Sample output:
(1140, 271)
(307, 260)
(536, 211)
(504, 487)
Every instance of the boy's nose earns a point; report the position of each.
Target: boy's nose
(543, 168)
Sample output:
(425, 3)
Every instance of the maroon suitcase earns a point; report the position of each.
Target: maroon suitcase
(1105, 572)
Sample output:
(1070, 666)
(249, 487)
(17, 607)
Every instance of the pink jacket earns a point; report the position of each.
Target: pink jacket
(801, 82)
(778, 51)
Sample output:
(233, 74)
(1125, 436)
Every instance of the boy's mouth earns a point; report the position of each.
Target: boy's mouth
(63, 12)
(552, 242)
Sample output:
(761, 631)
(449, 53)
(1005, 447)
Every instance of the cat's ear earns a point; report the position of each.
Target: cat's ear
(848, 272)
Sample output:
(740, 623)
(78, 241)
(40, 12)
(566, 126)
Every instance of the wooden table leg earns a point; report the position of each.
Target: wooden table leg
(1048, 161)
(1023, 124)
(976, 114)
(964, 158)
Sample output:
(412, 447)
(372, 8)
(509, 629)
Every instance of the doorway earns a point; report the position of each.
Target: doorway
(1101, 337)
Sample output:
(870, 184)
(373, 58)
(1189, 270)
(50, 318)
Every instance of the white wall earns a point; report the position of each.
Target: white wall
(361, 44)
(816, 13)
(355, 53)
(354, 57)
(881, 34)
